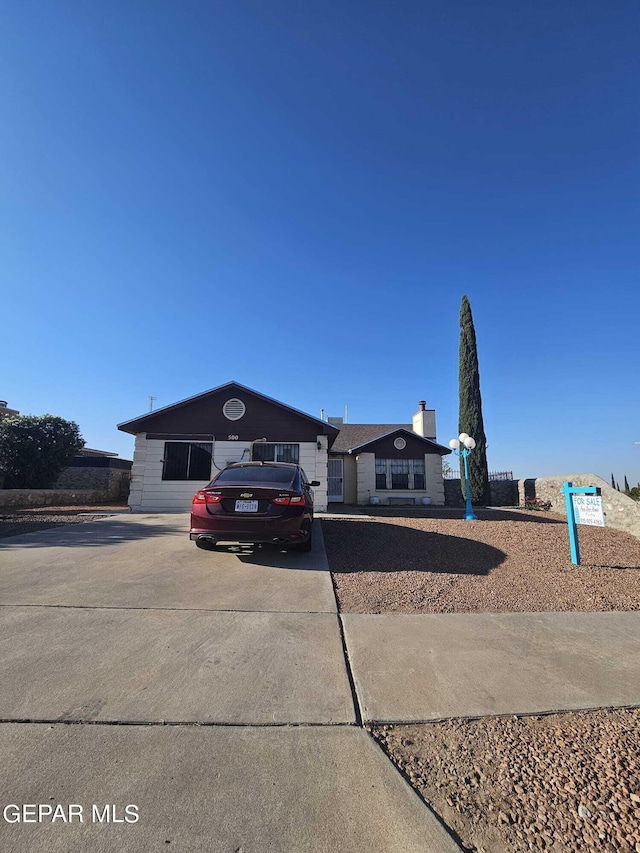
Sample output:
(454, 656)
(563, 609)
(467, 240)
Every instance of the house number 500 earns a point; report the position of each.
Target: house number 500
(232, 437)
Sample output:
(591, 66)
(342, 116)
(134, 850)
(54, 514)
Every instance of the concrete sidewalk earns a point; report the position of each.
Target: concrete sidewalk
(423, 667)
(70, 663)
(212, 789)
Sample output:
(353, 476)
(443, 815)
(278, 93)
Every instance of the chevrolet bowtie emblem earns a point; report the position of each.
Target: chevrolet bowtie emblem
(247, 495)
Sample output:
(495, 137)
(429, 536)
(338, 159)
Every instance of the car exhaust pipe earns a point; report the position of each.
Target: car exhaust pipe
(206, 542)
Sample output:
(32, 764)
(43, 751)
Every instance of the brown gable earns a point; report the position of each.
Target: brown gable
(353, 435)
(416, 446)
(379, 438)
(203, 415)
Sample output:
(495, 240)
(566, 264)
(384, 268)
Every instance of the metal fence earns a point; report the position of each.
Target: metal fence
(454, 474)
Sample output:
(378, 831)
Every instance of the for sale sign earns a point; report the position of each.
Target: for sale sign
(588, 510)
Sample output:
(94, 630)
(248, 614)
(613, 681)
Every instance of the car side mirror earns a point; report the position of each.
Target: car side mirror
(314, 483)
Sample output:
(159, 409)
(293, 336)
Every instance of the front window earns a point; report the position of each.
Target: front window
(187, 460)
(400, 474)
(265, 452)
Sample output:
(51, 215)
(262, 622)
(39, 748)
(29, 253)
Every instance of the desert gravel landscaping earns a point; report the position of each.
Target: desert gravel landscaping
(14, 522)
(433, 561)
(565, 782)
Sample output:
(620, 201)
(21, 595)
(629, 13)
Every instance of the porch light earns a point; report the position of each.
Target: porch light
(462, 446)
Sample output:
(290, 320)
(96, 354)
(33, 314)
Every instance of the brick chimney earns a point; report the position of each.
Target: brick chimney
(424, 421)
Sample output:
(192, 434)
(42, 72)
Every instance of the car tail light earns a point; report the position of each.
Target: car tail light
(285, 500)
(203, 497)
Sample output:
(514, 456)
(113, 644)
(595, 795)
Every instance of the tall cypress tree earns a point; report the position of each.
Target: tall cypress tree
(626, 485)
(613, 482)
(470, 411)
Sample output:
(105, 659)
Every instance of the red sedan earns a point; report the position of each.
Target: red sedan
(255, 502)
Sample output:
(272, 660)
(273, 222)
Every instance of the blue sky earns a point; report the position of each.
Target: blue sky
(297, 195)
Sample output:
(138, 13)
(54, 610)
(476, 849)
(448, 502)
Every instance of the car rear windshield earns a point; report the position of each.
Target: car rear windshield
(258, 475)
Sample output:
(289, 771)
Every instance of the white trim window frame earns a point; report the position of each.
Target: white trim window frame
(272, 452)
(187, 461)
(400, 474)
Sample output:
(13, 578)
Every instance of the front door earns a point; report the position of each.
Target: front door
(335, 492)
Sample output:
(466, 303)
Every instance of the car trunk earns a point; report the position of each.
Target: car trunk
(250, 501)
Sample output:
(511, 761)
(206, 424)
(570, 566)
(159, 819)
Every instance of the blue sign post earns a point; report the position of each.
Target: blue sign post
(569, 490)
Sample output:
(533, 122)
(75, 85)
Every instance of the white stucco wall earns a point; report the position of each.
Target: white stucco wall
(320, 472)
(433, 478)
(150, 493)
(137, 473)
(366, 470)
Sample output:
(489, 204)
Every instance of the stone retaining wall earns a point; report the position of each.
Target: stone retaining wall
(503, 493)
(620, 511)
(115, 482)
(97, 473)
(53, 497)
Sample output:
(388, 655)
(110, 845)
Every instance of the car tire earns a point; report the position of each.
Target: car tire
(305, 547)
(206, 544)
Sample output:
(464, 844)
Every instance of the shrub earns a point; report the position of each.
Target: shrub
(34, 449)
(536, 503)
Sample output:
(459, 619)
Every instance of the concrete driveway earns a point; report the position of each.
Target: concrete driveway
(209, 690)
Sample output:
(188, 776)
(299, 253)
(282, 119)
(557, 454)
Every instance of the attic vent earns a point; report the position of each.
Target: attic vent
(234, 409)
(399, 443)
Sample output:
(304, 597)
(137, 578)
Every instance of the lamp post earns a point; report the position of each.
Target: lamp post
(462, 446)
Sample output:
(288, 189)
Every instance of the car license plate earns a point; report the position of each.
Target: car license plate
(246, 506)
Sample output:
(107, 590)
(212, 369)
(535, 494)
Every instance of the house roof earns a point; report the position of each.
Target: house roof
(153, 421)
(353, 435)
(356, 436)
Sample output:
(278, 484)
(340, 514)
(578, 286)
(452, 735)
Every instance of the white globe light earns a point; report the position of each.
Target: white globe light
(454, 444)
(469, 442)
(463, 437)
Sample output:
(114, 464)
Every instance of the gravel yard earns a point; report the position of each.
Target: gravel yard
(431, 561)
(14, 522)
(565, 782)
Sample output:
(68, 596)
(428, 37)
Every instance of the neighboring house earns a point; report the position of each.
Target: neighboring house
(396, 463)
(5, 411)
(98, 470)
(181, 447)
